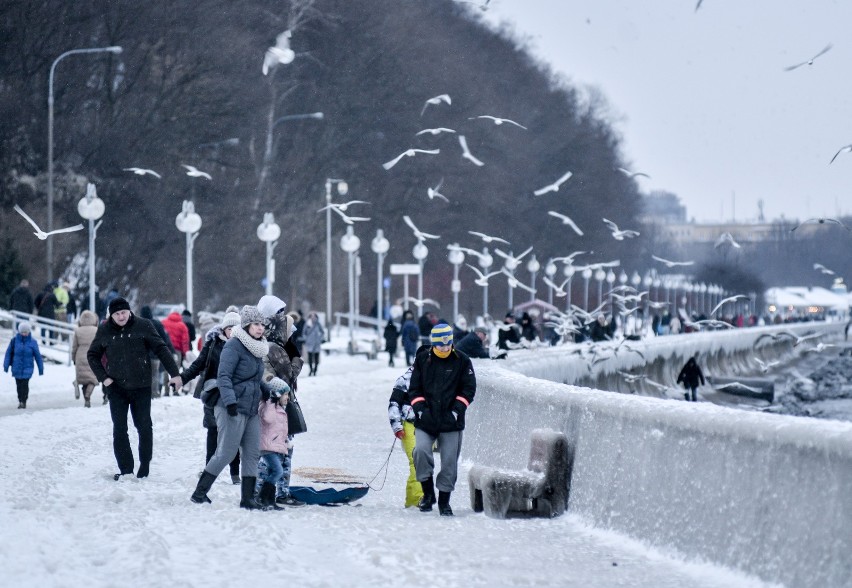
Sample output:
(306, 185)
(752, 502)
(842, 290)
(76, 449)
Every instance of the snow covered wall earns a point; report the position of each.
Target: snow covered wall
(766, 494)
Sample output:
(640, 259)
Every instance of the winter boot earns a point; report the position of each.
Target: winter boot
(88, 403)
(428, 495)
(203, 487)
(444, 504)
(20, 404)
(247, 500)
(143, 470)
(267, 496)
(235, 479)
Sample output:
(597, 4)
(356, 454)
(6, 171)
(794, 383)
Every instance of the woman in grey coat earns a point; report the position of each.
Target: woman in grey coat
(241, 388)
(313, 335)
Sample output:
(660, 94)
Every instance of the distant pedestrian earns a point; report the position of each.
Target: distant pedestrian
(410, 336)
(391, 336)
(509, 332)
(474, 344)
(179, 335)
(186, 317)
(313, 334)
(21, 299)
(690, 375)
(156, 378)
(84, 334)
(21, 353)
(460, 328)
(46, 303)
(528, 328)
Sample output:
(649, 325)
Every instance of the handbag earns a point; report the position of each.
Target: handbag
(295, 418)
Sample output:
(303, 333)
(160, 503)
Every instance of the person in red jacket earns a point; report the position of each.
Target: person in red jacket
(179, 336)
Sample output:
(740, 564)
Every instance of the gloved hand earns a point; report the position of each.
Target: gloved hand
(459, 408)
(399, 434)
(232, 409)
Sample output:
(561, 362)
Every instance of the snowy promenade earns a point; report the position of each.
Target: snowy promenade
(65, 522)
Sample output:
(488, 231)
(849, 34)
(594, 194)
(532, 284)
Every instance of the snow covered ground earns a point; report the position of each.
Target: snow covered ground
(65, 522)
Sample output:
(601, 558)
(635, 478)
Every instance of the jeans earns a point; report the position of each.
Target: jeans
(139, 402)
(283, 484)
(274, 467)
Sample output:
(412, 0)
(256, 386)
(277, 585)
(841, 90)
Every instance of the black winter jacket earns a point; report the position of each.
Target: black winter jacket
(126, 350)
(691, 374)
(471, 345)
(439, 388)
(206, 364)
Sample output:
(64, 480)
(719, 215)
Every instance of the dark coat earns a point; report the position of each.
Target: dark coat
(240, 378)
(410, 337)
(472, 346)
(127, 353)
(207, 363)
(391, 335)
(506, 336)
(439, 388)
(20, 354)
(284, 359)
(47, 308)
(145, 312)
(21, 299)
(690, 374)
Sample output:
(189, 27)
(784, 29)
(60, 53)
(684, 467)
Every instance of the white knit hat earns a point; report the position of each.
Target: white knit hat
(231, 319)
(270, 305)
(24, 327)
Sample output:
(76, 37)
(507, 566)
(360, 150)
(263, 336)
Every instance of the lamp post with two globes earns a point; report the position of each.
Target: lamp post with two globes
(91, 208)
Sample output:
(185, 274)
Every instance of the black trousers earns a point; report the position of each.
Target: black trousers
(23, 387)
(313, 361)
(138, 400)
(212, 442)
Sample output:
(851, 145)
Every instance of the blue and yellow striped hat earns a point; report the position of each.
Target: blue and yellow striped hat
(442, 334)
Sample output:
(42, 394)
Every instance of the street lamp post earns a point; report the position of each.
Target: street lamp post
(420, 252)
(115, 50)
(511, 264)
(455, 257)
(91, 208)
(587, 273)
(380, 246)
(550, 271)
(268, 231)
(188, 222)
(342, 189)
(485, 261)
(569, 273)
(532, 267)
(599, 276)
(350, 244)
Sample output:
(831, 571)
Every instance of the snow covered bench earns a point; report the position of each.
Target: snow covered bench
(540, 490)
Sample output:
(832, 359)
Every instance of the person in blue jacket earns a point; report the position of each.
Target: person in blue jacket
(22, 351)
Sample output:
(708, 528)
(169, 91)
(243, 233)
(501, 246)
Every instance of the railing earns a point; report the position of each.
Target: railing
(50, 333)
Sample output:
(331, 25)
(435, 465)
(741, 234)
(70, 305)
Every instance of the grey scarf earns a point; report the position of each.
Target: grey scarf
(258, 348)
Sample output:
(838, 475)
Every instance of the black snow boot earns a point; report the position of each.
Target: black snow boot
(428, 495)
(247, 500)
(267, 496)
(444, 504)
(203, 487)
(144, 468)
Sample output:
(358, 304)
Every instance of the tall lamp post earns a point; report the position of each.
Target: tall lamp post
(350, 244)
(550, 271)
(420, 252)
(511, 264)
(342, 189)
(115, 50)
(456, 258)
(485, 261)
(569, 272)
(600, 275)
(91, 208)
(188, 222)
(587, 273)
(532, 267)
(380, 246)
(268, 231)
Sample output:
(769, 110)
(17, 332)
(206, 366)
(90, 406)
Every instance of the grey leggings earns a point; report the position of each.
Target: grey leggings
(241, 432)
(449, 446)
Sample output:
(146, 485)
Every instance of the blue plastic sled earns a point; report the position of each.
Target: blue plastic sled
(328, 496)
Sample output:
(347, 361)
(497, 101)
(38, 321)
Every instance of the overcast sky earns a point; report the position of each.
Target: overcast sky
(701, 99)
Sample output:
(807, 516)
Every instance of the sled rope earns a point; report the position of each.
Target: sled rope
(384, 467)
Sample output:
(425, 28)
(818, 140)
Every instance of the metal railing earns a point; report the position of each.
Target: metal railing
(51, 334)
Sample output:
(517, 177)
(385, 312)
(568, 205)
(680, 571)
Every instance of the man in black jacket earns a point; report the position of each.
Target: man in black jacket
(442, 386)
(21, 299)
(474, 343)
(124, 342)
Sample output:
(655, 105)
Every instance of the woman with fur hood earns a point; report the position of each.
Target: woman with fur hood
(84, 334)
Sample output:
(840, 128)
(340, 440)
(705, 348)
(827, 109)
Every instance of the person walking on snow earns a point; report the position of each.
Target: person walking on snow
(442, 387)
(84, 334)
(273, 440)
(401, 417)
(312, 335)
(689, 375)
(20, 355)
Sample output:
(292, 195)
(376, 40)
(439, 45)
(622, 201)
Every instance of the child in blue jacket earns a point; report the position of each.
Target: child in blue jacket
(20, 354)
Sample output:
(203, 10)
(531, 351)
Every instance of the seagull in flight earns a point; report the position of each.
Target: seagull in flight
(515, 282)
(819, 347)
(194, 172)
(631, 174)
(844, 149)
(672, 263)
(482, 280)
(139, 171)
(558, 291)
(417, 232)
(420, 303)
(765, 366)
(823, 269)
(280, 53)
(435, 131)
(738, 386)
(409, 153)
(349, 219)
(724, 301)
(618, 234)
(488, 238)
(433, 192)
(41, 234)
(515, 258)
(822, 221)
(565, 221)
(809, 61)
(497, 120)
(554, 187)
(342, 206)
(483, 6)
(466, 152)
(569, 259)
(476, 254)
(435, 101)
(727, 238)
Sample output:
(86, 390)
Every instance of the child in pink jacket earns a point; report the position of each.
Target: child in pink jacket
(273, 439)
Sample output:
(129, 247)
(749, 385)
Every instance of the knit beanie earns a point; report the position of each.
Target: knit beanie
(270, 305)
(24, 328)
(442, 334)
(278, 388)
(249, 315)
(118, 304)
(231, 319)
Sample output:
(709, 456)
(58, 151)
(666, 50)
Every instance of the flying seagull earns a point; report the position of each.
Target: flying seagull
(618, 234)
(420, 303)
(194, 172)
(483, 6)
(466, 152)
(809, 61)
(142, 171)
(468, 251)
(569, 259)
(409, 153)
(488, 238)
(280, 53)
(554, 187)
(482, 280)
(515, 282)
(565, 221)
(844, 149)
(417, 232)
(342, 206)
(737, 386)
(508, 256)
(724, 301)
(559, 290)
(349, 219)
(823, 269)
(822, 221)
(436, 100)
(672, 263)
(435, 131)
(433, 192)
(497, 120)
(631, 174)
(765, 366)
(41, 234)
(727, 238)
